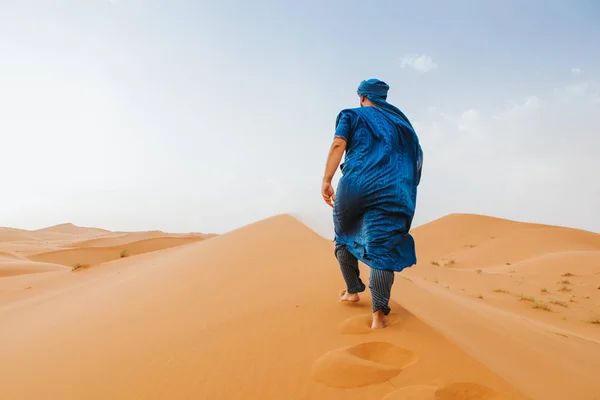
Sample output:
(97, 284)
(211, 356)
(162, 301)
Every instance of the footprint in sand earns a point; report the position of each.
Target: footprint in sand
(416, 392)
(362, 364)
(361, 324)
(454, 391)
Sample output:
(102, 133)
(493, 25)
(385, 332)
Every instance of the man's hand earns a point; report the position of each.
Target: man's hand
(328, 193)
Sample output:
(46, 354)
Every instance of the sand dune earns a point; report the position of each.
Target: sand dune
(458, 241)
(71, 229)
(203, 321)
(457, 231)
(23, 249)
(64, 232)
(12, 268)
(14, 235)
(254, 314)
(71, 245)
(97, 255)
(118, 238)
(122, 238)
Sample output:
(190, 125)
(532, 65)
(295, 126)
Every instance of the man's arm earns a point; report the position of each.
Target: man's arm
(334, 158)
(336, 151)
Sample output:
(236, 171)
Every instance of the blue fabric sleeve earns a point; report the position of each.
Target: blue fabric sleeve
(419, 164)
(343, 126)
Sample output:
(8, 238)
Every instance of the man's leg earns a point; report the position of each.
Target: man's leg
(380, 283)
(351, 274)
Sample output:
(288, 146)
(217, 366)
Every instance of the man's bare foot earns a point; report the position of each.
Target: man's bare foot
(351, 297)
(379, 320)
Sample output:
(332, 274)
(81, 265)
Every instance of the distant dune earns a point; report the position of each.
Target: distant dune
(97, 255)
(254, 314)
(71, 229)
(13, 268)
(119, 239)
(472, 240)
(74, 246)
(13, 235)
(53, 233)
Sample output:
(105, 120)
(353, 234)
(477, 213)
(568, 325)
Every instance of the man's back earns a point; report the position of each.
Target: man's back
(382, 156)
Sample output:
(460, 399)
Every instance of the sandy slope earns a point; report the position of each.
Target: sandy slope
(252, 314)
(514, 294)
(543, 361)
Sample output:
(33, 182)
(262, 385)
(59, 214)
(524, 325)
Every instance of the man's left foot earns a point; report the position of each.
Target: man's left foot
(351, 297)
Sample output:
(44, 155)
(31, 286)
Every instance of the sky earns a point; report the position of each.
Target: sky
(204, 116)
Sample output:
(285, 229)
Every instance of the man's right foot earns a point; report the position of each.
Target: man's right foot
(379, 320)
(351, 297)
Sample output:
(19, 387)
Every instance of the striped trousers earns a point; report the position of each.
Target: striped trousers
(380, 281)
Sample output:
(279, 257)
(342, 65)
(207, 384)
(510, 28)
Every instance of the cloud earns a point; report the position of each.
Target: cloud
(576, 70)
(520, 108)
(468, 119)
(585, 90)
(419, 62)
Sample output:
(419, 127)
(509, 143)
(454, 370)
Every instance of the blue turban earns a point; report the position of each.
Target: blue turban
(376, 91)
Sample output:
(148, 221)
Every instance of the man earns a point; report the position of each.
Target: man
(376, 195)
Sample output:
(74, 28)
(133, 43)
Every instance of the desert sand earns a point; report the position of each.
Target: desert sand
(494, 309)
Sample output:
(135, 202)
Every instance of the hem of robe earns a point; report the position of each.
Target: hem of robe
(357, 250)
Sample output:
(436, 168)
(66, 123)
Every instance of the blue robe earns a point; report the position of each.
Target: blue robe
(377, 193)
